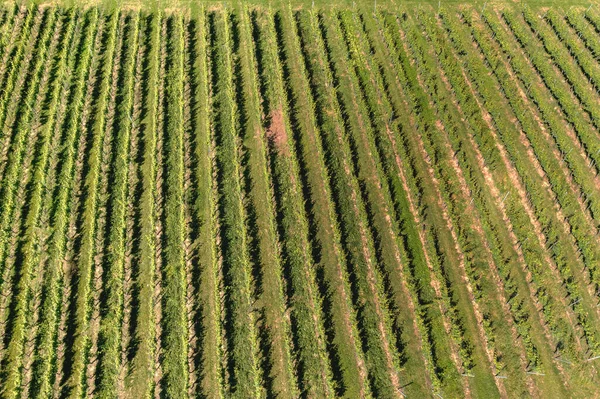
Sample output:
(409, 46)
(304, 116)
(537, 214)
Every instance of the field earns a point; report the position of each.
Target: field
(281, 201)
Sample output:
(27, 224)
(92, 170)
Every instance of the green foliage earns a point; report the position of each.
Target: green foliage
(285, 200)
(53, 275)
(234, 241)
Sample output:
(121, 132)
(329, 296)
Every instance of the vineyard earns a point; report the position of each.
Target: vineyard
(382, 201)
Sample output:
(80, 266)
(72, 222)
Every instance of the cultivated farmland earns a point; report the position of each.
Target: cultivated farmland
(282, 201)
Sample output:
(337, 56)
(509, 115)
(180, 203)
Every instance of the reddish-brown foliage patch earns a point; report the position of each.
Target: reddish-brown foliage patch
(277, 133)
